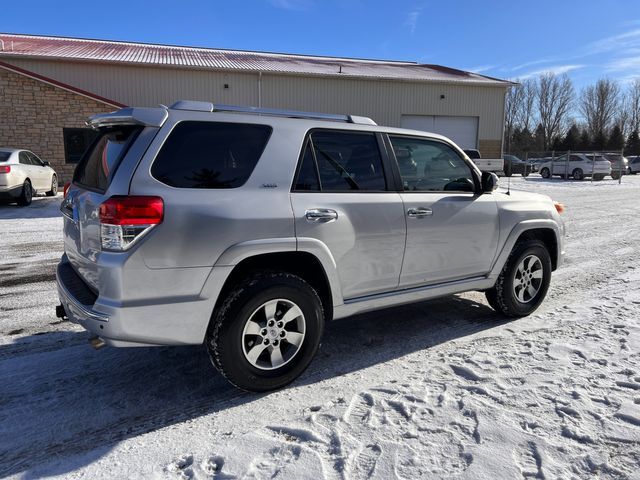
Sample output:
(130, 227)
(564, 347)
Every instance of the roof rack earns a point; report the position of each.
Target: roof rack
(210, 107)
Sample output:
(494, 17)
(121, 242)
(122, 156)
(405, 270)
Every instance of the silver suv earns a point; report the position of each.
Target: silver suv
(247, 229)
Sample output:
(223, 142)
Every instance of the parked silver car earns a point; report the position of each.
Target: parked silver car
(23, 174)
(634, 164)
(247, 229)
(577, 166)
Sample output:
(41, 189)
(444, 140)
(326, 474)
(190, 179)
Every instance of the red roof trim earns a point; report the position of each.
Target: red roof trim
(56, 83)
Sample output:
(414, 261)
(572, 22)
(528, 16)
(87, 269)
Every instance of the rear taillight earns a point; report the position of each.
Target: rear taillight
(124, 220)
(5, 168)
(66, 189)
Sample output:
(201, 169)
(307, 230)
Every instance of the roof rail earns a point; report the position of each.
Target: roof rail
(210, 107)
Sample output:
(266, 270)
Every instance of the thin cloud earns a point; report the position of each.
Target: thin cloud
(291, 4)
(480, 68)
(412, 19)
(532, 63)
(556, 70)
(620, 42)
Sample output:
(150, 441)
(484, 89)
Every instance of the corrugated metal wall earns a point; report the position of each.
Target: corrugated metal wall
(384, 101)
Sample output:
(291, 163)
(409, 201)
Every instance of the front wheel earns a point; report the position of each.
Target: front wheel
(615, 176)
(266, 332)
(54, 187)
(545, 172)
(598, 177)
(523, 281)
(577, 174)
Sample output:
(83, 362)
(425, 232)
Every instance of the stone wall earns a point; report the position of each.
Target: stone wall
(33, 114)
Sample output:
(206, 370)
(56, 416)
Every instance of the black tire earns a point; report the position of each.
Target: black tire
(545, 173)
(525, 173)
(598, 177)
(226, 334)
(54, 187)
(502, 296)
(615, 175)
(24, 200)
(508, 169)
(577, 174)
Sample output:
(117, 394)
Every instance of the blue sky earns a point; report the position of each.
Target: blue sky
(509, 39)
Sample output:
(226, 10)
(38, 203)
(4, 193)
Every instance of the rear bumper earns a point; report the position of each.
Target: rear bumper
(10, 192)
(181, 322)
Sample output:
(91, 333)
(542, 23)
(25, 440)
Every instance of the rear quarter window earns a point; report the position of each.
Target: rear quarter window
(100, 161)
(210, 154)
(4, 156)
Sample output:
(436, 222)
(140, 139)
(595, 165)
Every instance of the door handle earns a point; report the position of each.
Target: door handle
(419, 212)
(321, 215)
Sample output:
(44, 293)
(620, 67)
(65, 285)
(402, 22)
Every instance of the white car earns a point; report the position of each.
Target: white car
(577, 166)
(23, 174)
(634, 164)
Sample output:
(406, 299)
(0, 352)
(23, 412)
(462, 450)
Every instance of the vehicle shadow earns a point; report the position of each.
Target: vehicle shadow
(41, 207)
(71, 405)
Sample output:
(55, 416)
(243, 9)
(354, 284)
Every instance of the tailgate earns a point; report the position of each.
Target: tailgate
(89, 190)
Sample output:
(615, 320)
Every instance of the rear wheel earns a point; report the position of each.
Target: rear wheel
(54, 187)
(26, 195)
(266, 332)
(615, 175)
(545, 172)
(598, 177)
(523, 281)
(577, 174)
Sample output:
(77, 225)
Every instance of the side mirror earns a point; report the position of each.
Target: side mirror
(46, 164)
(489, 182)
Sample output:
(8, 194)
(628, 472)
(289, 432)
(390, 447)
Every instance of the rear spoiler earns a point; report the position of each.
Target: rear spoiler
(148, 117)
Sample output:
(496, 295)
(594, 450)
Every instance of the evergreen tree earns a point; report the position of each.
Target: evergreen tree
(633, 144)
(599, 141)
(584, 141)
(571, 139)
(616, 139)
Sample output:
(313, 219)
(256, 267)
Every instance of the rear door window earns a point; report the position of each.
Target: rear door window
(210, 154)
(100, 161)
(24, 159)
(348, 161)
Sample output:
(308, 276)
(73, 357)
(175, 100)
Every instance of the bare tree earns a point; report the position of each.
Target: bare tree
(632, 106)
(519, 108)
(526, 109)
(555, 100)
(599, 105)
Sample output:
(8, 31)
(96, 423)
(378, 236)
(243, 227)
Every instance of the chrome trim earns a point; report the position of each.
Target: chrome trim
(321, 215)
(419, 212)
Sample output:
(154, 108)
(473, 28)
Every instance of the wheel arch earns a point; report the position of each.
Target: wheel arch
(298, 262)
(547, 231)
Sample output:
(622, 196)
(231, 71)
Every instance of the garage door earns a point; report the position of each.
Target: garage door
(462, 130)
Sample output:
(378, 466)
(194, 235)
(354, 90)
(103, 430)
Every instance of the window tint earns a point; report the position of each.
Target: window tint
(348, 161)
(307, 175)
(431, 166)
(76, 142)
(35, 160)
(101, 160)
(4, 156)
(210, 154)
(24, 158)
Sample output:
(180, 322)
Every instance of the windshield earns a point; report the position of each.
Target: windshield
(4, 156)
(101, 160)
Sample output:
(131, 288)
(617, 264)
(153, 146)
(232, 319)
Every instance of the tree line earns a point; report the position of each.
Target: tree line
(540, 116)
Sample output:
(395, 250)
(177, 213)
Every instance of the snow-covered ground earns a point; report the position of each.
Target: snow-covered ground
(440, 389)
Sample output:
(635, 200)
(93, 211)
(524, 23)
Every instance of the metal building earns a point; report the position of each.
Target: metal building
(467, 107)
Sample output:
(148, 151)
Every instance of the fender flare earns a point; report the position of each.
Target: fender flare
(518, 230)
(235, 254)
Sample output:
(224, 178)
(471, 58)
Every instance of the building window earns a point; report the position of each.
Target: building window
(76, 142)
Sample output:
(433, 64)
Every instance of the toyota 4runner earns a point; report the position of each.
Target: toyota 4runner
(247, 229)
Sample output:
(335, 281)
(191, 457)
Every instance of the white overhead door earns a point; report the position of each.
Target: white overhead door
(462, 130)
